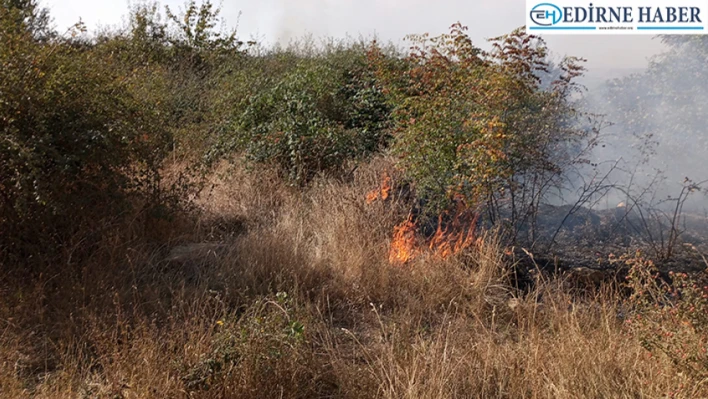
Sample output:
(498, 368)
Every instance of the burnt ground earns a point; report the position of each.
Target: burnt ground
(581, 243)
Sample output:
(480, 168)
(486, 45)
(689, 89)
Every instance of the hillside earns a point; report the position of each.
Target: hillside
(187, 215)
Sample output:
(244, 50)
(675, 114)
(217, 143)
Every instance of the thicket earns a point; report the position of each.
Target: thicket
(129, 121)
(105, 137)
(311, 116)
(77, 136)
(495, 130)
(88, 122)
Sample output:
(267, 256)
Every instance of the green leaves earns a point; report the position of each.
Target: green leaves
(313, 117)
(26, 16)
(469, 124)
(74, 140)
(197, 28)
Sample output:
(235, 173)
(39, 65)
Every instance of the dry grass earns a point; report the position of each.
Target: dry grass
(302, 303)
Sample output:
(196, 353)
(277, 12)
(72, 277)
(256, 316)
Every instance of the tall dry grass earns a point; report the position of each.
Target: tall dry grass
(298, 300)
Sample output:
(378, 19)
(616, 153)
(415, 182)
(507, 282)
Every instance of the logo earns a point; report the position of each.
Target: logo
(546, 14)
(617, 17)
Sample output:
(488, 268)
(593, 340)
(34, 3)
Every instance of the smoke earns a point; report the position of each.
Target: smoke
(659, 136)
(650, 129)
(391, 20)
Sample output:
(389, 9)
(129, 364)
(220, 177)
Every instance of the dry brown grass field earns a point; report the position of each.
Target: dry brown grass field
(290, 294)
(184, 214)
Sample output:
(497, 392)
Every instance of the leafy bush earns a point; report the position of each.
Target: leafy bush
(183, 60)
(74, 141)
(479, 126)
(311, 117)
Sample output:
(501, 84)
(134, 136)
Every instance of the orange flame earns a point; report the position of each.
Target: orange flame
(403, 246)
(458, 236)
(372, 196)
(454, 239)
(382, 192)
(386, 188)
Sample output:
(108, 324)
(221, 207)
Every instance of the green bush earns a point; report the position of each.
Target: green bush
(311, 117)
(75, 142)
(480, 126)
(181, 62)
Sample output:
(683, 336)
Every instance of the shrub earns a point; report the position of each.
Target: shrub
(74, 142)
(183, 61)
(480, 126)
(313, 117)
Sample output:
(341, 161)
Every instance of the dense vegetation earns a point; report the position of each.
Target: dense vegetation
(119, 151)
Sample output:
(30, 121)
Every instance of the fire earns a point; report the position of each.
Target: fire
(386, 188)
(403, 246)
(382, 192)
(456, 237)
(450, 237)
(372, 196)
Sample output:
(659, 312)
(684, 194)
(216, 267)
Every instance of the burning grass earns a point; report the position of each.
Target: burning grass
(404, 243)
(304, 302)
(447, 241)
(455, 233)
(382, 193)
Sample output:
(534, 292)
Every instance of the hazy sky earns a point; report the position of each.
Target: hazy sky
(272, 20)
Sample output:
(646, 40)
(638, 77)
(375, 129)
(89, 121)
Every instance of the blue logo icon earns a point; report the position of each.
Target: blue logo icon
(546, 14)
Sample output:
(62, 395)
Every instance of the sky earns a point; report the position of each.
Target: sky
(269, 21)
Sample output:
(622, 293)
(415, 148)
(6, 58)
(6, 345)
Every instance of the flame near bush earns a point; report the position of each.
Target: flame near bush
(459, 235)
(382, 192)
(404, 246)
(448, 240)
(452, 235)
